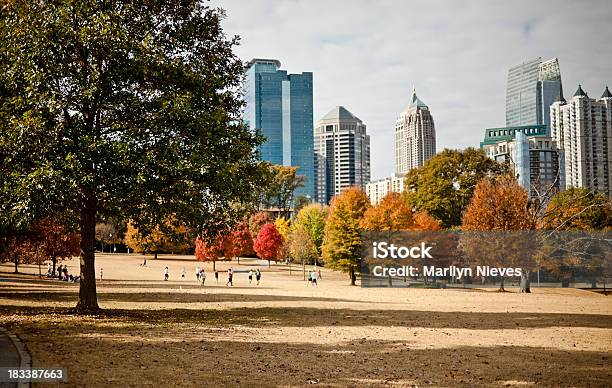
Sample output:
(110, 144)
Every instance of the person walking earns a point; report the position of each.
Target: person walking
(202, 277)
(166, 274)
(309, 278)
(198, 273)
(183, 273)
(48, 269)
(101, 273)
(230, 275)
(59, 272)
(257, 276)
(314, 278)
(250, 276)
(217, 276)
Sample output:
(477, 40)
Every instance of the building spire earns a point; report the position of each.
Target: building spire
(606, 93)
(580, 92)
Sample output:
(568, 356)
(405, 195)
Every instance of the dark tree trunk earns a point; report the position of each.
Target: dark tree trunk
(525, 281)
(501, 285)
(16, 264)
(88, 299)
(54, 261)
(269, 264)
(304, 269)
(353, 277)
(214, 265)
(155, 255)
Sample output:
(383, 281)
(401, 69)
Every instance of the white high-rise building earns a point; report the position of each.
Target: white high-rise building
(342, 154)
(582, 127)
(378, 189)
(415, 136)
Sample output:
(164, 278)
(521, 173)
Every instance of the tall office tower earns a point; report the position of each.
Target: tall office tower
(533, 156)
(415, 136)
(280, 106)
(533, 87)
(582, 127)
(342, 154)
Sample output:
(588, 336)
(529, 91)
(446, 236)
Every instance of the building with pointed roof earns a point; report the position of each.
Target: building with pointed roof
(582, 128)
(342, 154)
(415, 136)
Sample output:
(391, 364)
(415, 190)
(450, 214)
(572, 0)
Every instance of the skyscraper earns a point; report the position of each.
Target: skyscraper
(342, 154)
(532, 88)
(415, 136)
(280, 106)
(582, 127)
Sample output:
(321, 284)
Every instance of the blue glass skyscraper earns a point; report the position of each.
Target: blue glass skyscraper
(533, 87)
(280, 106)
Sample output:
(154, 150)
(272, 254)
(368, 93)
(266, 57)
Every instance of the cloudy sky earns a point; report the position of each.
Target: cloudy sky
(367, 55)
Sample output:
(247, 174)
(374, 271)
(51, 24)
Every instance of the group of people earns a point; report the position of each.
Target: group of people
(257, 274)
(62, 274)
(201, 275)
(313, 277)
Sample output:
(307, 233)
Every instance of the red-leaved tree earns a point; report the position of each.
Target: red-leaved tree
(214, 248)
(269, 243)
(52, 240)
(242, 241)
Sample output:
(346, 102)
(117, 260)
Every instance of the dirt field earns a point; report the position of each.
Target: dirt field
(285, 333)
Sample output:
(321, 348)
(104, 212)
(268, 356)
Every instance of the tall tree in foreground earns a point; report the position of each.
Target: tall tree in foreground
(342, 244)
(121, 108)
(444, 185)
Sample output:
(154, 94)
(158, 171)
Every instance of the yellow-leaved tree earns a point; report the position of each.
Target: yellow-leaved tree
(342, 241)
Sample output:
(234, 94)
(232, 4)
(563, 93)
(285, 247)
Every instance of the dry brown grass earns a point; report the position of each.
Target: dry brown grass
(284, 333)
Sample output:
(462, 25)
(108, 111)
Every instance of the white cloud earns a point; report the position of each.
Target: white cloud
(367, 55)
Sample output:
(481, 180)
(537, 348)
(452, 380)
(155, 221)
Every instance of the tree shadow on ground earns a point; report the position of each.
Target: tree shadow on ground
(180, 358)
(316, 317)
(164, 297)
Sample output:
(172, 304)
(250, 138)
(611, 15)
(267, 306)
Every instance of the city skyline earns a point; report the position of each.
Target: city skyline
(371, 57)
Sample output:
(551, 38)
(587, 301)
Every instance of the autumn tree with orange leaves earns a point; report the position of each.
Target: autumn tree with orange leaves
(392, 213)
(500, 205)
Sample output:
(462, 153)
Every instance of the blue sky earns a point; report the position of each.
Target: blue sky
(367, 55)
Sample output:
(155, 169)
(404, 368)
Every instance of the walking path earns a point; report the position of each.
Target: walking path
(13, 354)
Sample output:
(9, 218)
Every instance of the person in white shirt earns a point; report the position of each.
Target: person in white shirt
(166, 274)
(313, 278)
